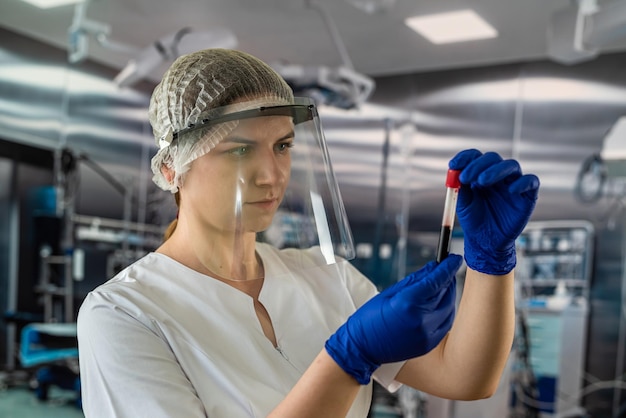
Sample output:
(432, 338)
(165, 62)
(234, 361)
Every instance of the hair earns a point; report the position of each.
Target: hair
(172, 226)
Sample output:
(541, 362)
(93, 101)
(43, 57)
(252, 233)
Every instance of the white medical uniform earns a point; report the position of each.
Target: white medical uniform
(162, 340)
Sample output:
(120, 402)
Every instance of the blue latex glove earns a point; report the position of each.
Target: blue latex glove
(405, 320)
(494, 205)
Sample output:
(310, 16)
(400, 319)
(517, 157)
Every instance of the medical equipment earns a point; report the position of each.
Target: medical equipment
(578, 31)
(613, 152)
(603, 174)
(146, 59)
(373, 6)
(340, 87)
(53, 350)
(554, 275)
(42, 343)
(449, 210)
(170, 47)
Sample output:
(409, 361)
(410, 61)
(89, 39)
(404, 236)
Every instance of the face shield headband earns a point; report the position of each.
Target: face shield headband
(298, 112)
(276, 153)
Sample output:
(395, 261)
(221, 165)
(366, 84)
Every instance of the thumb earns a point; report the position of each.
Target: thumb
(443, 273)
(418, 274)
(411, 279)
(431, 278)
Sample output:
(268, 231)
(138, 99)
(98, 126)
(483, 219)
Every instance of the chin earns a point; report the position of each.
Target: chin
(258, 225)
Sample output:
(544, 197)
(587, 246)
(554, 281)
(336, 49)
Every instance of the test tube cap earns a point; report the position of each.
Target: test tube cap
(452, 179)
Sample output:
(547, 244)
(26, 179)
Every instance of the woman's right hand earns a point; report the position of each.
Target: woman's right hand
(404, 321)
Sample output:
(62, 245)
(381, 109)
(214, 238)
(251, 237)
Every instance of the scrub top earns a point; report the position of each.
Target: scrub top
(162, 340)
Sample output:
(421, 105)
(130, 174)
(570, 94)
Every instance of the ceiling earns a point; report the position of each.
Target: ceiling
(295, 32)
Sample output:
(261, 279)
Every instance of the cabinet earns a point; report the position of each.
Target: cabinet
(553, 279)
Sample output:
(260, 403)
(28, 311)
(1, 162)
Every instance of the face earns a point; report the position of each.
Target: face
(239, 184)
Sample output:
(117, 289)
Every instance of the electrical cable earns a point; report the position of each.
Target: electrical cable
(106, 176)
(70, 176)
(103, 173)
(526, 388)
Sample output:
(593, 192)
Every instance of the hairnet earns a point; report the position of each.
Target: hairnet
(194, 85)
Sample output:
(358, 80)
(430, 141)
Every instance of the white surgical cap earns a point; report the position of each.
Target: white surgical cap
(191, 88)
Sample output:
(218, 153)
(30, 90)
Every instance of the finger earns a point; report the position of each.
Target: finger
(465, 199)
(410, 279)
(444, 296)
(417, 275)
(463, 158)
(416, 300)
(448, 298)
(500, 171)
(475, 168)
(445, 306)
(430, 266)
(442, 275)
(528, 184)
(428, 280)
(451, 263)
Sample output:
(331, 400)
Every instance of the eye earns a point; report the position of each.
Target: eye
(283, 147)
(240, 151)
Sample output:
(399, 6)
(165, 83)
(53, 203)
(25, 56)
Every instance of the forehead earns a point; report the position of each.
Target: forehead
(264, 126)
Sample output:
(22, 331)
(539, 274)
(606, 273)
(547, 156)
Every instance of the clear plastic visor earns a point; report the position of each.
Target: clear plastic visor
(269, 179)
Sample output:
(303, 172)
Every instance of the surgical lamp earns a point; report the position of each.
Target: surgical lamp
(340, 86)
(169, 48)
(373, 6)
(577, 32)
(148, 59)
(333, 86)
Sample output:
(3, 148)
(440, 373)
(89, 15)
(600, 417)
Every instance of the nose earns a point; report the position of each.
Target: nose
(271, 169)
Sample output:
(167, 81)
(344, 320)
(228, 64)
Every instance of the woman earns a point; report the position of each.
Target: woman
(216, 324)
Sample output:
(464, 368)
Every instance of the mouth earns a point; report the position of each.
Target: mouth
(265, 203)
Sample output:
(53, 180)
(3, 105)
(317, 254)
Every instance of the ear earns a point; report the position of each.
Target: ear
(168, 173)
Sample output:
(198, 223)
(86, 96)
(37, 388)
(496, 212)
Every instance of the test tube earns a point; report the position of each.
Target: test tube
(449, 210)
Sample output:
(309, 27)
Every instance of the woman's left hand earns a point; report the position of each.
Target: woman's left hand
(495, 203)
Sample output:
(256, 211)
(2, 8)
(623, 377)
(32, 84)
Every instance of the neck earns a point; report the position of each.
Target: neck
(216, 253)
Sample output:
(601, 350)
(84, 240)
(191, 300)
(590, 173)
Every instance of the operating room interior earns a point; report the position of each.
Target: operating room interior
(546, 86)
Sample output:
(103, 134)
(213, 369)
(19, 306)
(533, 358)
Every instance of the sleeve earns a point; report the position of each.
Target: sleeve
(362, 289)
(126, 368)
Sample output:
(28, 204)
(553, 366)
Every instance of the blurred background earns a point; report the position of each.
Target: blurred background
(539, 81)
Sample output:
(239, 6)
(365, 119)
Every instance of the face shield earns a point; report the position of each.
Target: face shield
(267, 176)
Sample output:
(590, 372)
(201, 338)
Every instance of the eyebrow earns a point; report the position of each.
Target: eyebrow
(246, 141)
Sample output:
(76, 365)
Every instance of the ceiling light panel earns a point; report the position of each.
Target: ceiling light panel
(49, 4)
(457, 26)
